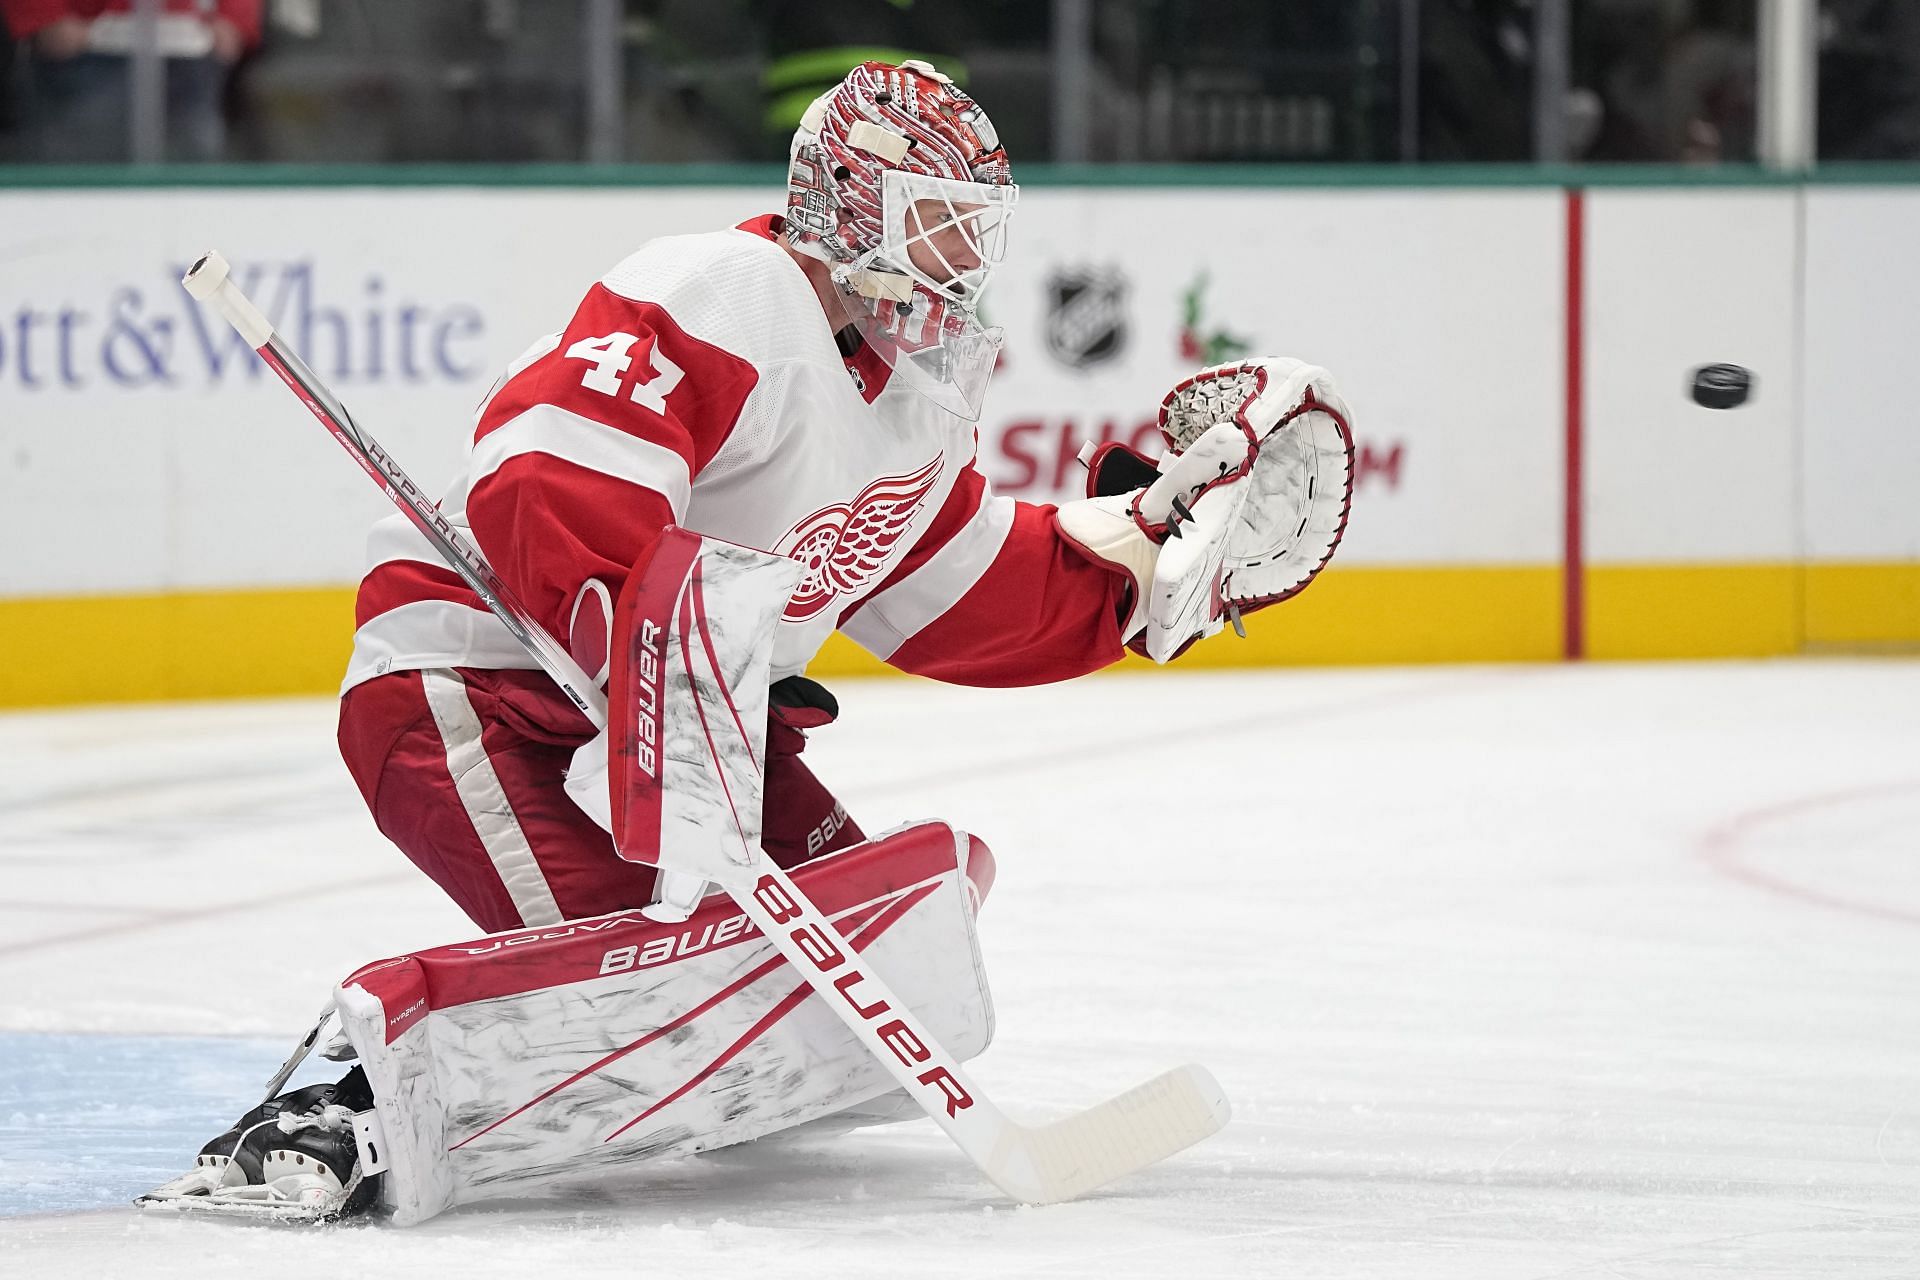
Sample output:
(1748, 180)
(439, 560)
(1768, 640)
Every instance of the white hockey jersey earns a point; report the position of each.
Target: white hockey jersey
(699, 384)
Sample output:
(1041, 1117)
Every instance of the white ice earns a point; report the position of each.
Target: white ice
(1531, 971)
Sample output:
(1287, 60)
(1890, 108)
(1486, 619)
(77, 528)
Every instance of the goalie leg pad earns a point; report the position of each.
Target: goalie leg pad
(506, 1064)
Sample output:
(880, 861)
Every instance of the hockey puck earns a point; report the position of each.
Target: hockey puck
(1722, 386)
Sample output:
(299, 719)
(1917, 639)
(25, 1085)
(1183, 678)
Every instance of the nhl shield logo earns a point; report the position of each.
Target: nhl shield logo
(1087, 316)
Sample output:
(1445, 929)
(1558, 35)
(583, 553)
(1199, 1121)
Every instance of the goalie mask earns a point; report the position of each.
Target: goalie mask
(899, 183)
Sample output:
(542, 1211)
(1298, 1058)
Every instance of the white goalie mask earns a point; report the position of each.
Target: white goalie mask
(899, 183)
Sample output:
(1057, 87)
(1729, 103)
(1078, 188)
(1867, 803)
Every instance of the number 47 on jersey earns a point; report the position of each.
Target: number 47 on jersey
(612, 356)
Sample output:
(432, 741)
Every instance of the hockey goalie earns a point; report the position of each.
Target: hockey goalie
(800, 392)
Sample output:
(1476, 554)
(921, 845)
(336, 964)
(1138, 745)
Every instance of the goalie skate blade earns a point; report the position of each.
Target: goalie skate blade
(1143, 1126)
(292, 1199)
(241, 1208)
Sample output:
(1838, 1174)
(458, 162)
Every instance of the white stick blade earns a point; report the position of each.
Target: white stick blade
(1122, 1135)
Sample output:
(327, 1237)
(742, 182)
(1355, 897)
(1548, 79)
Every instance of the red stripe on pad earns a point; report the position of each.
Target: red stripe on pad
(791, 1001)
(636, 689)
(464, 973)
(852, 923)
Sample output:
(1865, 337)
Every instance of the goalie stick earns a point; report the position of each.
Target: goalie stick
(1033, 1164)
(208, 280)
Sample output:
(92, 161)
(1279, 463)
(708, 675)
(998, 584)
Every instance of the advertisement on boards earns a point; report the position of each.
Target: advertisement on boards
(147, 450)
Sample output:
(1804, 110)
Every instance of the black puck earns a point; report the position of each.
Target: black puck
(1722, 386)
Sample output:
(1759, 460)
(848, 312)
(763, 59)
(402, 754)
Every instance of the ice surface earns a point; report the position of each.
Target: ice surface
(87, 1120)
(1559, 971)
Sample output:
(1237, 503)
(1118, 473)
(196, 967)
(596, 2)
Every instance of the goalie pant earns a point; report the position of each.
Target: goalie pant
(463, 770)
(504, 1065)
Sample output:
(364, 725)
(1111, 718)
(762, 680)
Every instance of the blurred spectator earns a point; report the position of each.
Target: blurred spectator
(1870, 80)
(1676, 78)
(1476, 80)
(406, 81)
(812, 44)
(1712, 85)
(1250, 80)
(9, 97)
(78, 82)
(1620, 51)
(489, 80)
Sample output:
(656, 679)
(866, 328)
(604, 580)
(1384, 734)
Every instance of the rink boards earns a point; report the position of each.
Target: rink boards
(1533, 479)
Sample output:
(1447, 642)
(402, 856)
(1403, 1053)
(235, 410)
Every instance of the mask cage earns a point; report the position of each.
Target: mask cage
(959, 229)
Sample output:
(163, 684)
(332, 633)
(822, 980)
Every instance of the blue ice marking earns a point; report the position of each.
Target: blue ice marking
(90, 1121)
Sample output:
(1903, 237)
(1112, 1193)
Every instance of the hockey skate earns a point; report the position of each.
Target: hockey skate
(293, 1158)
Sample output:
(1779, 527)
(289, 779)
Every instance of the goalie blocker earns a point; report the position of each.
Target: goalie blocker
(504, 1065)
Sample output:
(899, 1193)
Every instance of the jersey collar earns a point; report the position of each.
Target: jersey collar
(768, 226)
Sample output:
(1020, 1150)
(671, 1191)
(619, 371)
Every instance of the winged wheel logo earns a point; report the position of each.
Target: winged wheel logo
(845, 545)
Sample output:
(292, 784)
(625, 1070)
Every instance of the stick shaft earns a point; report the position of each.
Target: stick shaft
(1034, 1165)
(888, 1030)
(209, 281)
(461, 555)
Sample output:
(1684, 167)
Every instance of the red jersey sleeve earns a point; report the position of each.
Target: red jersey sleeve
(24, 17)
(586, 453)
(245, 16)
(994, 595)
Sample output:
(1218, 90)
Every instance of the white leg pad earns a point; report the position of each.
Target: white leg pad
(506, 1064)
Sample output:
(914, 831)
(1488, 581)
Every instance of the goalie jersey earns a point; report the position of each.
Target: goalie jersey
(699, 384)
